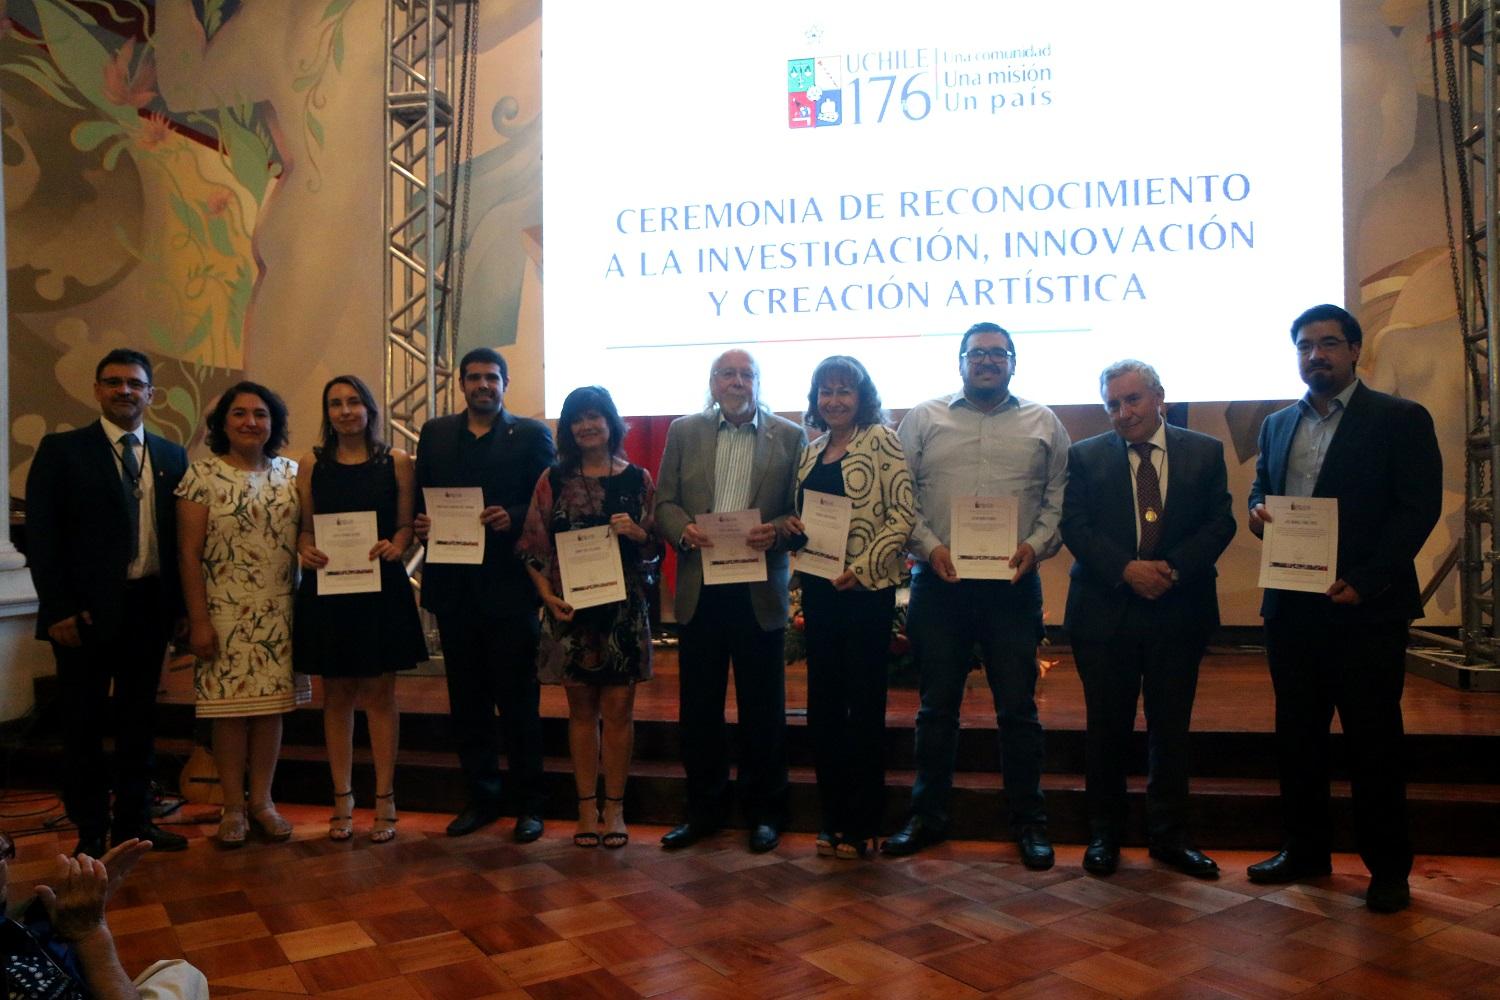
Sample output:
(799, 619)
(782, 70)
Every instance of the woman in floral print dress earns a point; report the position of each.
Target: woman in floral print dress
(237, 518)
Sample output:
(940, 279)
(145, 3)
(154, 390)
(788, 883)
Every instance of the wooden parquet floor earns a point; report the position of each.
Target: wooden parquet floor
(451, 919)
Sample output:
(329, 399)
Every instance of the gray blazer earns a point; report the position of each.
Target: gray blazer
(685, 489)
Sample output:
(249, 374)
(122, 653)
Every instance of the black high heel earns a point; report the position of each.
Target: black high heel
(588, 838)
(384, 830)
(616, 839)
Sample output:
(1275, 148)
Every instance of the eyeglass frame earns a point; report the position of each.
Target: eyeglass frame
(133, 384)
(748, 374)
(1306, 348)
(986, 353)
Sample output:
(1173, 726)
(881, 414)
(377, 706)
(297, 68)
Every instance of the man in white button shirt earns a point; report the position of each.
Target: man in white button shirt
(982, 442)
(101, 539)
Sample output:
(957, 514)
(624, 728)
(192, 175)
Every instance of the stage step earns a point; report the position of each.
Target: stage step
(1455, 790)
(1433, 758)
(1231, 813)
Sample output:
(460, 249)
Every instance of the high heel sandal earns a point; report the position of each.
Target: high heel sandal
(341, 825)
(587, 838)
(271, 824)
(384, 830)
(848, 848)
(615, 839)
(233, 827)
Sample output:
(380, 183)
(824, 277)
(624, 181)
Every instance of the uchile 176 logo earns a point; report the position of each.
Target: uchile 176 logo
(816, 89)
(814, 96)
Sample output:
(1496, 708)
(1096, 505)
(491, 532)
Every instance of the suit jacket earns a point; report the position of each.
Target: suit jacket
(511, 457)
(1099, 528)
(1385, 469)
(78, 529)
(878, 484)
(685, 489)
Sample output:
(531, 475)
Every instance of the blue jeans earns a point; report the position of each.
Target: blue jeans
(946, 622)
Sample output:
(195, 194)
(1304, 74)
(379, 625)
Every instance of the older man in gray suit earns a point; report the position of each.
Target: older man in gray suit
(735, 455)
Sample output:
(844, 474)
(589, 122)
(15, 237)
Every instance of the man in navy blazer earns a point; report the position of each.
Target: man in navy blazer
(101, 531)
(487, 613)
(1146, 514)
(1346, 649)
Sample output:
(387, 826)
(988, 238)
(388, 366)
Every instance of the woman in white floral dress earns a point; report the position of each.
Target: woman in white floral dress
(237, 520)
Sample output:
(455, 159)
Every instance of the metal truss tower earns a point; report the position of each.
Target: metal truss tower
(422, 56)
(1471, 51)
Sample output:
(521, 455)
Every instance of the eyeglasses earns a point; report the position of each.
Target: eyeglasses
(134, 384)
(1306, 347)
(748, 374)
(979, 355)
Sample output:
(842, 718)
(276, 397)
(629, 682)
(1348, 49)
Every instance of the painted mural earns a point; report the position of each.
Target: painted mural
(156, 167)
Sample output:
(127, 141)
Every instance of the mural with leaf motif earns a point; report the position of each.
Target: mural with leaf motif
(168, 188)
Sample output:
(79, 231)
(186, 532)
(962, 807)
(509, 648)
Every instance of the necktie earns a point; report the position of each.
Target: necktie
(130, 479)
(1148, 501)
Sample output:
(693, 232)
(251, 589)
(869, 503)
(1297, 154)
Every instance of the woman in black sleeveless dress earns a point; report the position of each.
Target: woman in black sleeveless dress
(356, 642)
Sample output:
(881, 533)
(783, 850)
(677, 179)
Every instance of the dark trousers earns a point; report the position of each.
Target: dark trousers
(724, 629)
(1360, 670)
(848, 647)
(129, 663)
(490, 661)
(1162, 665)
(946, 622)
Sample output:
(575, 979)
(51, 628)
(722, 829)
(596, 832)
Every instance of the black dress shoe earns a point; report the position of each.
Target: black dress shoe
(1035, 848)
(91, 844)
(1188, 860)
(473, 816)
(764, 838)
(1387, 895)
(161, 840)
(686, 835)
(1287, 867)
(911, 838)
(528, 829)
(1102, 857)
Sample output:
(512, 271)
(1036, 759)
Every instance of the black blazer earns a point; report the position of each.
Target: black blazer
(1384, 467)
(78, 530)
(510, 459)
(1098, 526)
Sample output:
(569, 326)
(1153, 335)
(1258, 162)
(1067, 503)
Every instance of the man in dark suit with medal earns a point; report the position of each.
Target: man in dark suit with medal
(1146, 514)
(101, 532)
(1346, 649)
(487, 614)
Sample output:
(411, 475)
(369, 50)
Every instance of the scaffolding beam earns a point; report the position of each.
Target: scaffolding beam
(422, 56)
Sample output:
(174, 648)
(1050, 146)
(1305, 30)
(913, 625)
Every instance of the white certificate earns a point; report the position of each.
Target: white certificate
(589, 563)
(984, 537)
(456, 536)
(730, 560)
(1300, 550)
(825, 519)
(346, 539)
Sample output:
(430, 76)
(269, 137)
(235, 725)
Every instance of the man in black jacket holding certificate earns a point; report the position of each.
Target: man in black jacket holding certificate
(1346, 649)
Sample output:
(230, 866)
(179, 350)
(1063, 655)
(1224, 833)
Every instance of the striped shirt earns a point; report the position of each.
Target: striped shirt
(734, 457)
